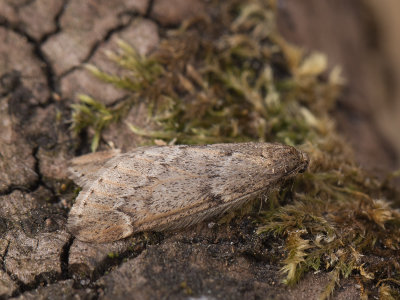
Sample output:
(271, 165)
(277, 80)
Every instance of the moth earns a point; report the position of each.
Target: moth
(170, 187)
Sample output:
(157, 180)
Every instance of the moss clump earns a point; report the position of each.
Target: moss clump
(232, 78)
(113, 255)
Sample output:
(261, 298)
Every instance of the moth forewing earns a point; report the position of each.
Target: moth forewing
(169, 187)
(83, 169)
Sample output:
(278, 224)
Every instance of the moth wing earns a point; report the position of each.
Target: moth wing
(97, 226)
(205, 215)
(83, 169)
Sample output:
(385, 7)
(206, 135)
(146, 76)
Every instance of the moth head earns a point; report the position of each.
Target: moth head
(305, 162)
(284, 160)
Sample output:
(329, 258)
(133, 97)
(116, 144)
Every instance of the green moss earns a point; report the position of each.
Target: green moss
(186, 289)
(112, 255)
(233, 79)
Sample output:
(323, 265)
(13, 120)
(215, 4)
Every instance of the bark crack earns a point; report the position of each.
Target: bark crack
(99, 43)
(110, 263)
(20, 285)
(33, 186)
(64, 258)
(49, 73)
(149, 9)
(3, 261)
(57, 19)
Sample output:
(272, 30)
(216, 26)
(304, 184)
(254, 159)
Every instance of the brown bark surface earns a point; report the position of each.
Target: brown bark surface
(44, 45)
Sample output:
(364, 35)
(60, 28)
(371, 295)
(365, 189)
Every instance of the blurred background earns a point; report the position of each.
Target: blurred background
(362, 36)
